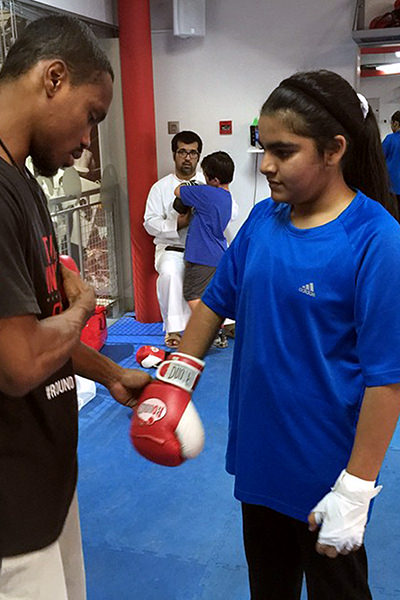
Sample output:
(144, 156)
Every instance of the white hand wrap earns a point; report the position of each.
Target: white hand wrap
(181, 370)
(343, 512)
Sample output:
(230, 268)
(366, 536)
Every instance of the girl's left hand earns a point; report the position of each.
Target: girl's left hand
(342, 514)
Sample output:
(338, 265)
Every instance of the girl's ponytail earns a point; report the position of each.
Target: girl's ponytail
(365, 166)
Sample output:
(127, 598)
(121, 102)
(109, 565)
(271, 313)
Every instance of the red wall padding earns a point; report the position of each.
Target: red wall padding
(140, 140)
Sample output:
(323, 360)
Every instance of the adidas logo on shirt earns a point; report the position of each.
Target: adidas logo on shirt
(308, 289)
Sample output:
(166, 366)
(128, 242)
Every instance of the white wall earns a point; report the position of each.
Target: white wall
(100, 10)
(249, 47)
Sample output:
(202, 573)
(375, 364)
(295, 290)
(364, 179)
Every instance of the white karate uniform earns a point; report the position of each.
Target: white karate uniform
(53, 573)
(161, 221)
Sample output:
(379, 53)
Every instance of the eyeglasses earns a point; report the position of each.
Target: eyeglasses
(184, 153)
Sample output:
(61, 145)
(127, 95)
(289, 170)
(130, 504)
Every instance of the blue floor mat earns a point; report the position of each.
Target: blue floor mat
(127, 335)
(159, 533)
(152, 532)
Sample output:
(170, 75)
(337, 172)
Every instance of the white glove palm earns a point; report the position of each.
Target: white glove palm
(343, 512)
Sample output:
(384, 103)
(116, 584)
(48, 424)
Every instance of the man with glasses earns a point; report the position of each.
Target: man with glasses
(169, 230)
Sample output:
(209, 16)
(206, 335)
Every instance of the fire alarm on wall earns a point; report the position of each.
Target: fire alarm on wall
(225, 127)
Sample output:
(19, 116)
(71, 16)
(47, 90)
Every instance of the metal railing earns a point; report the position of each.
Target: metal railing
(85, 231)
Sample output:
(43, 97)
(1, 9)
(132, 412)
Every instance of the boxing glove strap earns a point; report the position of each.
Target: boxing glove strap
(187, 358)
(181, 370)
(355, 489)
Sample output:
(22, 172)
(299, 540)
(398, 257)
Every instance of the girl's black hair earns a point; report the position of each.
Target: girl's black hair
(320, 105)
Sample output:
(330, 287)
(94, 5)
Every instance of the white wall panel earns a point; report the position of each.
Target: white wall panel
(249, 47)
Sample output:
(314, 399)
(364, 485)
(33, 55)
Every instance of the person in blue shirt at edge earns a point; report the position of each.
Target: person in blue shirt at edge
(211, 205)
(391, 150)
(313, 280)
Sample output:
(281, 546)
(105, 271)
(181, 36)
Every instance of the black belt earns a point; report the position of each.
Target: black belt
(175, 248)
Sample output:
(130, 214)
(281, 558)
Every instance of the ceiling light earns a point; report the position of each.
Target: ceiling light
(389, 68)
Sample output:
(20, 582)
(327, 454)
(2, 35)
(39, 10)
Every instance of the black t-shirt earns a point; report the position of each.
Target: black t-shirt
(38, 432)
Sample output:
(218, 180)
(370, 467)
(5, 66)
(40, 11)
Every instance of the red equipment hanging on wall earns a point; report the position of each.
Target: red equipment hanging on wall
(95, 332)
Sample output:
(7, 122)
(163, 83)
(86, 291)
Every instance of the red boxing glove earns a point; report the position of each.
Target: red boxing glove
(166, 427)
(150, 356)
(69, 262)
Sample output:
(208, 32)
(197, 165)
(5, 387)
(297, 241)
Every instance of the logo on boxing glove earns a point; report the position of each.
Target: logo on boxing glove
(151, 410)
(180, 375)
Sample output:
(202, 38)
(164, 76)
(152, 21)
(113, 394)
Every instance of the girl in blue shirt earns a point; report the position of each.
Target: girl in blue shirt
(312, 280)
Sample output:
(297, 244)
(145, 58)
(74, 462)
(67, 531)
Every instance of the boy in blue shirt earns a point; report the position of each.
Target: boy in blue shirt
(211, 205)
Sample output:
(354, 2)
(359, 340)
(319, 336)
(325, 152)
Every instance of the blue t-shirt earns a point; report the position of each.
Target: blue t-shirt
(317, 320)
(391, 150)
(205, 242)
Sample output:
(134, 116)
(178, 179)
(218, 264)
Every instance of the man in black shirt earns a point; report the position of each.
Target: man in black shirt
(55, 85)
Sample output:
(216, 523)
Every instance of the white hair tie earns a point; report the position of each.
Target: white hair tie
(363, 105)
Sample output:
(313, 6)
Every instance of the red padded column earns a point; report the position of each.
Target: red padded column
(140, 140)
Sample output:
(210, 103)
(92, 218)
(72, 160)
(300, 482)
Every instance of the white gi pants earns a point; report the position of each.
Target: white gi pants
(170, 267)
(53, 573)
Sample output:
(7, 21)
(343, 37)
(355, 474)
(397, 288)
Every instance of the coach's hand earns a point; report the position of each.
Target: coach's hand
(77, 290)
(126, 389)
